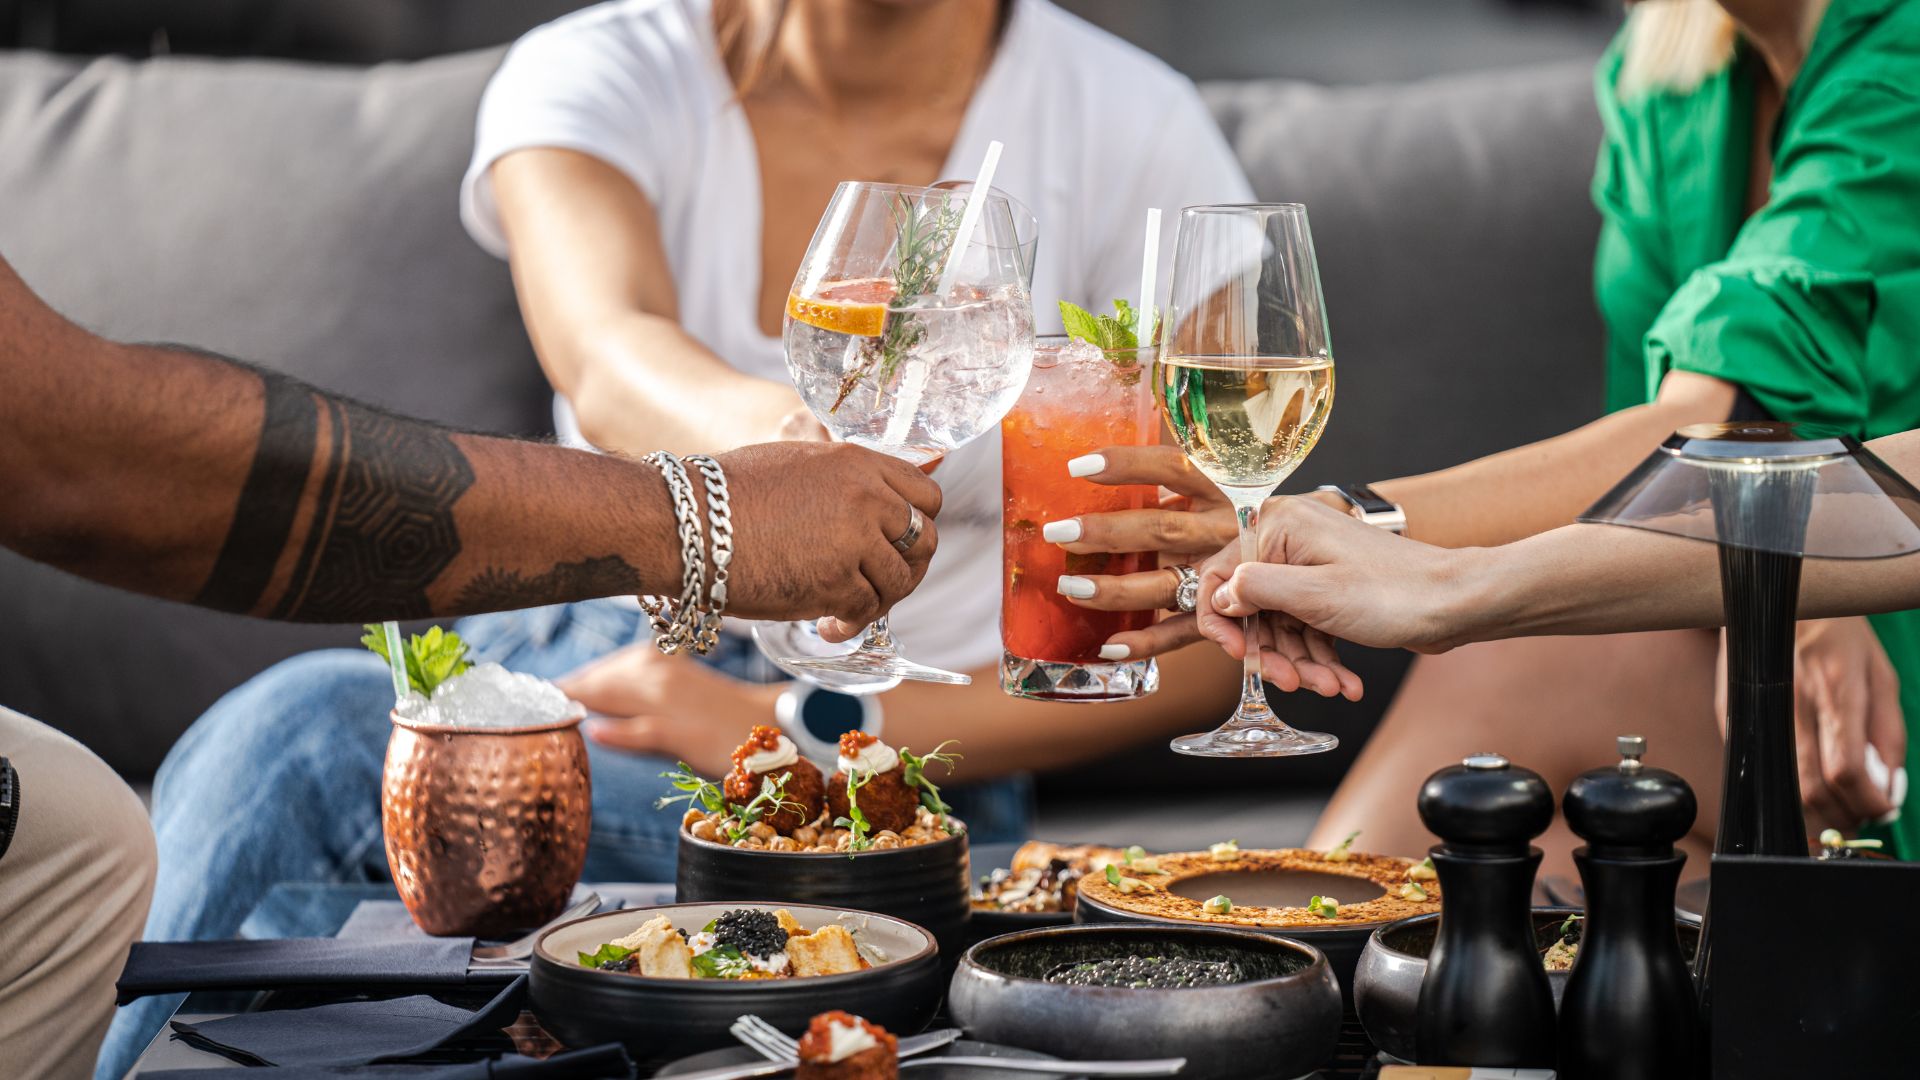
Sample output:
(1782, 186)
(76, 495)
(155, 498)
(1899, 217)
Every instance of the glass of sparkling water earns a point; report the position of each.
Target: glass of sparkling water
(901, 340)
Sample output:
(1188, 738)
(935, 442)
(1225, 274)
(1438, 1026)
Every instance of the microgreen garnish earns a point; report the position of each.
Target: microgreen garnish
(914, 772)
(1217, 905)
(923, 236)
(1342, 851)
(1324, 906)
(1109, 333)
(1570, 929)
(853, 820)
(605, 953)
(1422, 870)
(1138, 861)
(1224, 851)
(771, 800)
(432, 658)
(1113, 874)
(1835, 839)
(1120, 881)
(1411, 890)
(699, 791)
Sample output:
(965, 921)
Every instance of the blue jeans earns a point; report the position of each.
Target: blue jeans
(280, 782)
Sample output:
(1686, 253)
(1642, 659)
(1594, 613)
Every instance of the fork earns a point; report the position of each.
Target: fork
(774, 1045)
(521, 948)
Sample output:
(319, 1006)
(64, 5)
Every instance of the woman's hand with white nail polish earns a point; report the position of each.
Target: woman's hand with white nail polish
(1065, 531)
(1075, 588)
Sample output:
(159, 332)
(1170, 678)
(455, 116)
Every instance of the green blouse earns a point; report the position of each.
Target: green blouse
(1812, 303)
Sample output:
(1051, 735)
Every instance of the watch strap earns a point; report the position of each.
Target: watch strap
(1370, 506)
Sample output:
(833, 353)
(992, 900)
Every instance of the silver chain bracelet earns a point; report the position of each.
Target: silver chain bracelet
(720, 523)
(680, 626)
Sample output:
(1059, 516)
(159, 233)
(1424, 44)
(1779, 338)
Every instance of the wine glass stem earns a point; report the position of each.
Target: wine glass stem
(879, 638)
(1253, 693)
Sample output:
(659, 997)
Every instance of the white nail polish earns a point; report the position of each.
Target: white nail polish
(1896, 794)
(1087, 465)
(1078, 588)
(1877, 772)
(1115, 652)
(1061, 532)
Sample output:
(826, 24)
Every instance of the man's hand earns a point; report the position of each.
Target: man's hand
(645, 702)
(814, 525)
(1846, 708)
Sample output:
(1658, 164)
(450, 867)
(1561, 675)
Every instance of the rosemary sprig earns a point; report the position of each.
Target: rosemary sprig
(923, 236)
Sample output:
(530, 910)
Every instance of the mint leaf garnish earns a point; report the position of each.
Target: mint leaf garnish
(431, 658)
(1108, 332)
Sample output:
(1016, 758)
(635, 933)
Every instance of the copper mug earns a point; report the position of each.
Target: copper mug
(486, 827)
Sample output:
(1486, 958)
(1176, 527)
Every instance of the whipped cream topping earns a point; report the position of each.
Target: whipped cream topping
(846, 1040)
(783, 754)
(875, 757)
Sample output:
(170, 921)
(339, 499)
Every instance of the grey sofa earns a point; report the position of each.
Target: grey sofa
(304, 217)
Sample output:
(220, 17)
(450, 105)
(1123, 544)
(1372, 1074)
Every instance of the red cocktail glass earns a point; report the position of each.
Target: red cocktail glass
(1078, 399)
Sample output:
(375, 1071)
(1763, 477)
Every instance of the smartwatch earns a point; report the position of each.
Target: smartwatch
(815, 717)
(1367, 504)
(9, 803)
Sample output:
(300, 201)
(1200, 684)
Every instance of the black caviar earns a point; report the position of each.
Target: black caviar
(625, 963)
(1147, 973)
(755, 933)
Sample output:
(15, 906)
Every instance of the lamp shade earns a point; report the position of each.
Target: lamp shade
(1769, 486)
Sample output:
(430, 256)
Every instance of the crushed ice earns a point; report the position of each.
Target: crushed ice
(490, 696)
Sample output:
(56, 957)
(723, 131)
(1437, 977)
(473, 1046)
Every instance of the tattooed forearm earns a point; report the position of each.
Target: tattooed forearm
(381, 524)
(494, 588)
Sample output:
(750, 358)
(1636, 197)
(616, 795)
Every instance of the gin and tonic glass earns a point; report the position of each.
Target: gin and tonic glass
(893, 348)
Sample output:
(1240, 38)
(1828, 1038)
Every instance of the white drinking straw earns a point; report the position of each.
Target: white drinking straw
(970, 217)
(396, 661)
(1149, 267)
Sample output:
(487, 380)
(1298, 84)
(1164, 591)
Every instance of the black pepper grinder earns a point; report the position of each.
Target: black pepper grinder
(1629, 1010)
(1485, 999)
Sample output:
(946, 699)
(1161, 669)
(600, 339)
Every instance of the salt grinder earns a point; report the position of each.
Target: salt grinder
(1629, 1010)
(1485, 999)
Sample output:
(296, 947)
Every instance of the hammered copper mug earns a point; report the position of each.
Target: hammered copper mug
(486, 827)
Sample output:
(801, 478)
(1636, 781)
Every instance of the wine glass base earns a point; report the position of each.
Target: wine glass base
(786, 642)
(1234, 740)
(867, 663)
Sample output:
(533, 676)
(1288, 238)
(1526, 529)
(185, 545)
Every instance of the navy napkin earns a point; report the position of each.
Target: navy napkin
(351, 1032)
(166, 967)
(598, 1063)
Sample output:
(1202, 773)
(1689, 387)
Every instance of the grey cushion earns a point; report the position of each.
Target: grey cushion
(305, 217)
(300, 216)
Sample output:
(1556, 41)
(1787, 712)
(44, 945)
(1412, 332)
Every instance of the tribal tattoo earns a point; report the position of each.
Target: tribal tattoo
(497, 589)
(382, 526)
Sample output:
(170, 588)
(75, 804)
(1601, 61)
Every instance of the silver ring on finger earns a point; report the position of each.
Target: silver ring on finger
(1186, 593)
(915, 523)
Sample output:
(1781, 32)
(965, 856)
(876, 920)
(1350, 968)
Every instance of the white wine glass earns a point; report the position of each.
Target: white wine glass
(1245, 381)
(895, 349)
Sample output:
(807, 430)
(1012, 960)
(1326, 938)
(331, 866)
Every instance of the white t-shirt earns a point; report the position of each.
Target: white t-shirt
(1096, 131)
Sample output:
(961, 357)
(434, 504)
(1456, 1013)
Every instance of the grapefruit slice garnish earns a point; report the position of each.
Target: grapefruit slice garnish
(858, 308)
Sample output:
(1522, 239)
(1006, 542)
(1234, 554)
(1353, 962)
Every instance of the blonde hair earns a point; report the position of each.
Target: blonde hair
(1674, 45)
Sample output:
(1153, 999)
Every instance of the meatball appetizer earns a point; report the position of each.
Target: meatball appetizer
(872, 777)
(769, 755)
(841, 1046)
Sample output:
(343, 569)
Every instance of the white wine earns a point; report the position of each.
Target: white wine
(1246, 422)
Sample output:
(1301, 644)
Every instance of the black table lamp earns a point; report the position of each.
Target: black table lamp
(1769, 494)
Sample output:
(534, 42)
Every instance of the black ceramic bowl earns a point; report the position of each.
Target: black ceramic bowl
(1387, 983)
(1341, 943)
(1283, 1021)
(924, 884)
(662, 1018)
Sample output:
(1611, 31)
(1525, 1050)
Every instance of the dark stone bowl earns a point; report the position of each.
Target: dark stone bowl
(925, 884)
(1341, 943)
(1283, 1021)
(1387, 983)
(658, 1019)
